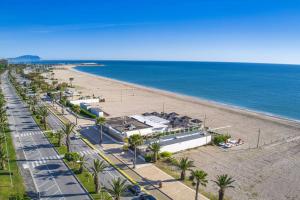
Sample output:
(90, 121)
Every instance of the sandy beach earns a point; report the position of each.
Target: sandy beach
(278, 136)
(128, 99)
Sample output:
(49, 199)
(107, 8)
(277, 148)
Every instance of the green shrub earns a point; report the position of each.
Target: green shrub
(221, 138)
(166, 154)
(71, 156)
(87, 114)
(125, 147)
(148, 157)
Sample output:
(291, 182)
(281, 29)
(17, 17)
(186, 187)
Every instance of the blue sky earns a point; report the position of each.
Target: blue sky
(208, 30)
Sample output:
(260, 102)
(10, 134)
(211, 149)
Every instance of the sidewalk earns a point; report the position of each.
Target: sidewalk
(146, 174)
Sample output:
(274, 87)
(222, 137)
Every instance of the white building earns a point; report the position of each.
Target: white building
(181, 142)
(122, 127)
(85, 106)
(96, 111)
(77, 102)
(158, 124)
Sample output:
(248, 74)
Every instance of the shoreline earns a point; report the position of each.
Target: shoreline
(274, 153)
(199, 100)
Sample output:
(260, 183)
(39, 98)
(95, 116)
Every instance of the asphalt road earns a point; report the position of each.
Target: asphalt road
(50, 176)
(77, 145)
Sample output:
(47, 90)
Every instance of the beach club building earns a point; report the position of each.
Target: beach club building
(122, 127)
(180, 142)
(158, 124)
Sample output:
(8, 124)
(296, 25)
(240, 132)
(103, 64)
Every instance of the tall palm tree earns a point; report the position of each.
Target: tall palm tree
(43, 111)
(81, 162)
(3, 119)
(60, 135)
(100, 121)
(30, 103)
(77, 110)
(135, 141)
(118, 187)
(155, 148)
(71, 79)
(97, 168)
(3, 159)
(67, 131)
(199, 178)
(184, 164)
(224, 181)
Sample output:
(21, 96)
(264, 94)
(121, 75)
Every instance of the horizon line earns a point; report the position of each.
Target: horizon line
(158, 60)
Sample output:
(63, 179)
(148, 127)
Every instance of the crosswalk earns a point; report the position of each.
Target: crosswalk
(31, 133)
(88, 152)
(43, 160)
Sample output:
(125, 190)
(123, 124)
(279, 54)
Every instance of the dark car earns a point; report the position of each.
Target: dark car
(147, 197)
(135, 189)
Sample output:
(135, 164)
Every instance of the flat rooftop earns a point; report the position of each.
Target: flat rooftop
(176, 138)
(123, 124)
(151, 120)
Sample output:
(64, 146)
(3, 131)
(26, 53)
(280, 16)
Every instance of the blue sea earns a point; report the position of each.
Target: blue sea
(268, 88)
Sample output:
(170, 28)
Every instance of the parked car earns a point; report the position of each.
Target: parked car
(147, 197)
(135, 189)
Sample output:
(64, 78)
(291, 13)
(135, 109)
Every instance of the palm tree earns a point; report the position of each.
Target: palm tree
(3, 159)
(118, 188)
(43, 111)
(97, 168)
(81, 162)
(52, 75)
(3, 119)
(77, 110)
(135, 141)
(30, 103)
(155, 148)
(71, 79)
(199, 178)
(100, 121)
(60, 135)
(224, 181)
(184, 164)
(67, 131)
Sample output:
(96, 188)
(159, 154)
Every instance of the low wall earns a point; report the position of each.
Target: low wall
(189, 144)
(77, 102)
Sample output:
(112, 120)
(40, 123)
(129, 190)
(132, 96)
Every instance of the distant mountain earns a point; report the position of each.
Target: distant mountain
(24, 59)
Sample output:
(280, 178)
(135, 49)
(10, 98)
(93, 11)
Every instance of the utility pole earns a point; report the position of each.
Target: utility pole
(258, 138)
(121, 95)
(204, 121)
(163, 107)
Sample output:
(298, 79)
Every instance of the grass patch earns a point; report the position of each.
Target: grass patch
(17, 189)
(87, 180)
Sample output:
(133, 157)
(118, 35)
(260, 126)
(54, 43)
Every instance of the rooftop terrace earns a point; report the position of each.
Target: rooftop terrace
(123, 124)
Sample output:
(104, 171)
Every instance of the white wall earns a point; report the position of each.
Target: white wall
(77, 102)
(145, 131)
(187, 144)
